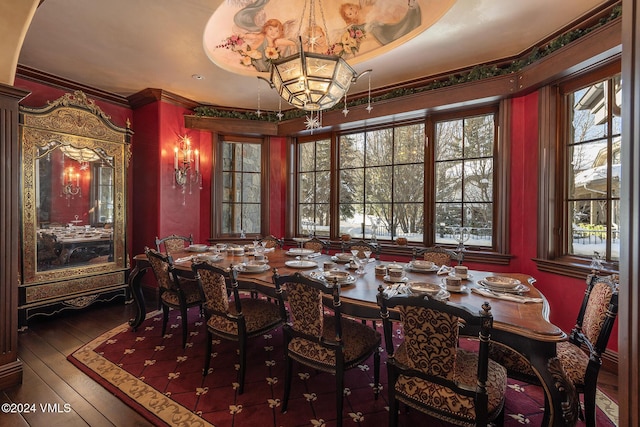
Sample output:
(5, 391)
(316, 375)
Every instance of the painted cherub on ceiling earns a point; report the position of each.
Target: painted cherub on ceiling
(245, 36)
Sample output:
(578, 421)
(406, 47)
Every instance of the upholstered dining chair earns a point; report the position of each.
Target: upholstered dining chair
(316, 244)
(174, 293)
(327, 342)
(173, 243)
(438, 255)
(361, 245)
(271, 242)
(428, 371)
(237, 320)
(581, 355)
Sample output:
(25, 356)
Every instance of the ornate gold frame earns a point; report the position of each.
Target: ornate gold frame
(71, 120)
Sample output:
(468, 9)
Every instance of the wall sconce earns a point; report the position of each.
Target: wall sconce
(183, 156)
(71, 184)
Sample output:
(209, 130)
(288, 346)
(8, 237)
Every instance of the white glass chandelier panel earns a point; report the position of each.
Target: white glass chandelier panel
(310, 81)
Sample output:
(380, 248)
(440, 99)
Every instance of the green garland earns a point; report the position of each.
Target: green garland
(477, 73)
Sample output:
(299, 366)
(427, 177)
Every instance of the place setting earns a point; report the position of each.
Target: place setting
(333, 276)
(253, 266)
(422, 266)
(506, 288)
(432, 290)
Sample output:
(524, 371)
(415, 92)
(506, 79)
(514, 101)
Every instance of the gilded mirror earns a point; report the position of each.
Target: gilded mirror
(74, 179)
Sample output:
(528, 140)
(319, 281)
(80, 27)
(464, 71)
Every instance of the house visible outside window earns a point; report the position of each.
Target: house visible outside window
(241, 188)
(592, 159)
(464, 150)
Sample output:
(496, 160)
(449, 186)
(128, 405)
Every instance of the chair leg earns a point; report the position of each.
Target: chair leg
(590, 406)
(339, 396)
(288, 367)
(207, 354)
(243, 363)
(376, 373)
(183, 312)
(165, 318)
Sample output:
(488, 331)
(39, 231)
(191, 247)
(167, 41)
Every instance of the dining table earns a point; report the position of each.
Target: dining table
(520, 322)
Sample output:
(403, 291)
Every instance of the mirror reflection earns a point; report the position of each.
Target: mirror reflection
(75, 206)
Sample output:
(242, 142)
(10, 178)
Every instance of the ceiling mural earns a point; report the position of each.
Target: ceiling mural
(244, 36)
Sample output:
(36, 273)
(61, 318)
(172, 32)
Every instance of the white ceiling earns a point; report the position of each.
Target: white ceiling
(125, 46)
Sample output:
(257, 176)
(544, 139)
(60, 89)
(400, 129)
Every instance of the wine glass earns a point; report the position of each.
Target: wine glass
(357, 260)
(367, 255)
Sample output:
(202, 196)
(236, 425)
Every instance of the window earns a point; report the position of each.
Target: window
(241, 187)
(314, 185)
(391, 183)
(382, 183)
(580, 199)
(464, 180)
(592, 162)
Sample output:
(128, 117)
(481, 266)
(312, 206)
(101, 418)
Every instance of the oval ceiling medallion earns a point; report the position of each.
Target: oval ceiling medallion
(244, 36)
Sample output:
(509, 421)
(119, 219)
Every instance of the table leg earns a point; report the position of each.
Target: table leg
(135, 285)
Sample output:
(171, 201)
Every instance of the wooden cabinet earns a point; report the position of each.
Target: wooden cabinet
(74, 174)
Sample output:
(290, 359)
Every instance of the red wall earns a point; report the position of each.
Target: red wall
(156, 208)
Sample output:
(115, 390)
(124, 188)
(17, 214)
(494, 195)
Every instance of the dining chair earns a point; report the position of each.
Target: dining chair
(271, 242)
(237, 320)
(581, 355)
(348, 246)
(173, 243)
(174, 293)
(317, 244)
(327, 342)
(430, 373)
(438, 255)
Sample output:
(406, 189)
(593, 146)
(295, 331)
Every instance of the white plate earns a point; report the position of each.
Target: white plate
(467, 277)
(502, 282)
(388, 279)
(411, 267)
(342, 259)
(212, 258)
(424, 287)
(301, 263)
(243, 269)
(197, 248)
(519, 289)
(325, 276)
(299, 252)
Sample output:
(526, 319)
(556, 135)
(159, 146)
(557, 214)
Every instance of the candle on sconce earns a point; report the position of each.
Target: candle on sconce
(197, 161)
(175, 158)
(77, 180)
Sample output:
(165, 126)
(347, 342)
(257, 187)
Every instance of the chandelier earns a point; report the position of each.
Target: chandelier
(312, 80)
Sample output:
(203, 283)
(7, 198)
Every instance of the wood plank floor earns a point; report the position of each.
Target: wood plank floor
(49, 378)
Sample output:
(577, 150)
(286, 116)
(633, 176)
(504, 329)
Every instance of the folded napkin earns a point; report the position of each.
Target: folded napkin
(508, 297)
(444, 270)
(269, 249)
(185, 259)
(314, 255)
(397, 289)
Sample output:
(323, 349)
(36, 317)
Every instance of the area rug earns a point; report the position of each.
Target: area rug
(162, 381)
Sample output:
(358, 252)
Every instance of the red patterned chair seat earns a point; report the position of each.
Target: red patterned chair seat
(260, 315)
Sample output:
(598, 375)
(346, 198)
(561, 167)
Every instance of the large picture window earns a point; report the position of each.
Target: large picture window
(464, 150)
(381, 175)
(241, 187)
(392, 183)
(592, 161)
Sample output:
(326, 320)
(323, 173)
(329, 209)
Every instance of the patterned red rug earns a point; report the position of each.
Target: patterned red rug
(164, 382)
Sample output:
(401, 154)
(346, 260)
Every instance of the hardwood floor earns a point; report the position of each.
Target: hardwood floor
(50, 379)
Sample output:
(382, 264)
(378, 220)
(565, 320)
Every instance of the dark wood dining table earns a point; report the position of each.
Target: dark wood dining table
(524, 327)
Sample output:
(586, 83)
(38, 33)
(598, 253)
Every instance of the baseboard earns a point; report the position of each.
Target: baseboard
(11, 374)
(610, 361)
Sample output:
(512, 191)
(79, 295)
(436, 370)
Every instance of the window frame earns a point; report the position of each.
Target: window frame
(217, 189)
(499, 252)
(552, 216)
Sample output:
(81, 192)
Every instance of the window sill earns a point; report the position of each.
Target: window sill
(571, 267)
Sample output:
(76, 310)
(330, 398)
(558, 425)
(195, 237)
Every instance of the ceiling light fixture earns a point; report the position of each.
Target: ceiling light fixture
(312, 80)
